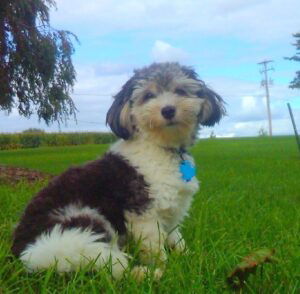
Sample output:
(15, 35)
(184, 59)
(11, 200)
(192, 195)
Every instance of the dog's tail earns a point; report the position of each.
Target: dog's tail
(74, 243)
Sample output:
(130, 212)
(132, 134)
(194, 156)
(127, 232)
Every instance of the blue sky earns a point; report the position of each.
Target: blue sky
(222, 40)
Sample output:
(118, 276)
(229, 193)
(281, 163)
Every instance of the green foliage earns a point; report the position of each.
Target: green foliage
(262, 132)
(36, 70)
(212, 135)
(55, 139)
(295, 84)
(33, 130)
(30, 140)
(8, 141)
(33, 138)
(249, 199)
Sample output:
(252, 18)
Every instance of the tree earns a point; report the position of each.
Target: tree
(262, 132)
(36, 70)
(295, 83)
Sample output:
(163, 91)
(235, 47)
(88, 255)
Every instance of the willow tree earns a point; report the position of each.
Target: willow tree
(295, 83)
(36, 70)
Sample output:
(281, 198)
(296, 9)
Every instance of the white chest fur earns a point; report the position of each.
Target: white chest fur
(171, 195)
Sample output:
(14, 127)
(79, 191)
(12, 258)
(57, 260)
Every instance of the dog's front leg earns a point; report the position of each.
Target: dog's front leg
(176, 241)
(150, 235)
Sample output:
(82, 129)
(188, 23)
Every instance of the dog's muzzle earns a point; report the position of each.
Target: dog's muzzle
(168, 112)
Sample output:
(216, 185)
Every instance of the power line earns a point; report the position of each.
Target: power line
(265, 82)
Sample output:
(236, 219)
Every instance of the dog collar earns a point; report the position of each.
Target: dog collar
(186, 167)
(187, 170)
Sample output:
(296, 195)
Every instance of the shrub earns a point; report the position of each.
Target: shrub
(50, 140)
(34, 130)
(30, 140)
(5, 140)
(262, 132)
(104, 138)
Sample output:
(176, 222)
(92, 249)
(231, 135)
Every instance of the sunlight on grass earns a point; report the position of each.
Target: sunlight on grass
(249, 199)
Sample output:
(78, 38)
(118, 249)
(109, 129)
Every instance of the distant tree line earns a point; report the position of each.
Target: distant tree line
(36, 138)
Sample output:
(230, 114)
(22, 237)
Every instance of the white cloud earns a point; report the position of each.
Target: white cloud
(245, 125)
(248, 103)
(246, 111)
(101, 79)
(227, 135)
(248, 20)
(163, 52)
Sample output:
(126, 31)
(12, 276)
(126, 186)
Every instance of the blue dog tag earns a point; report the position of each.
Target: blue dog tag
(187, 169)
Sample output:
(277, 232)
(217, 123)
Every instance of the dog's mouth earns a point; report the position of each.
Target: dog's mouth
(172, 123)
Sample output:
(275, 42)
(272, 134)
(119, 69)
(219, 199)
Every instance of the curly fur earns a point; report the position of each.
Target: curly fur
(85, 214)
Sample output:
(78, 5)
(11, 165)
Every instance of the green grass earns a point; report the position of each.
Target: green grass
(249, 199)
(51, 159)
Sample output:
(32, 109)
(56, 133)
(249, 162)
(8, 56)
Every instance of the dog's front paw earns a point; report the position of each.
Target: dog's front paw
(153, 256)
(176, 241)
(139, 273)
(180, 246)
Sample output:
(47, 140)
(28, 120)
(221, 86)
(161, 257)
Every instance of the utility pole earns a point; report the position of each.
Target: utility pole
(265, 82)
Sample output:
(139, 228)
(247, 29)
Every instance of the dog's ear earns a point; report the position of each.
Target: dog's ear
(118, 116)
(213, 107)
(189, 72)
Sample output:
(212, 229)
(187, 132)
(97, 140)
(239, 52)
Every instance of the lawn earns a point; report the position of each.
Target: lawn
(249, 199)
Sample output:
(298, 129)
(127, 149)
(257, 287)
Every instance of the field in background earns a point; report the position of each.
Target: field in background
(40, 139)
(249, 199)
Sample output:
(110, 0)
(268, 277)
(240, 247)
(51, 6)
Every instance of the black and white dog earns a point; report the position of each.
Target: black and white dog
(143, 186)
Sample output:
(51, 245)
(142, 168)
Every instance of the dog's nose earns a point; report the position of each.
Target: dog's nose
(168, 112)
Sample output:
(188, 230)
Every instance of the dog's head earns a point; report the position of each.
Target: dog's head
(166, 102)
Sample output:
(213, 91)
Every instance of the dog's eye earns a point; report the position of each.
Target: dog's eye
(201, 93)
(180, 92)
(148, 96)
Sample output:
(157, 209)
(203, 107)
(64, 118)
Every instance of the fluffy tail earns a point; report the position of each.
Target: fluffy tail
(68, 249)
